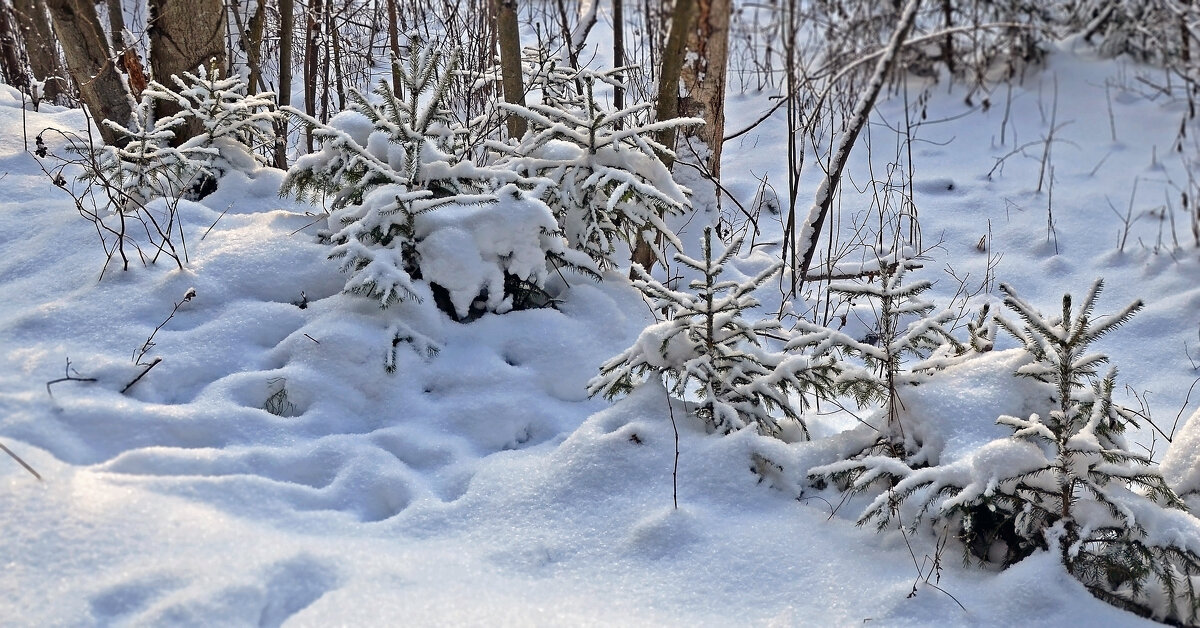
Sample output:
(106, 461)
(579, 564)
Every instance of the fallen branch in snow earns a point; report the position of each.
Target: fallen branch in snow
(141, 375)
(67, 377)
(20, 462)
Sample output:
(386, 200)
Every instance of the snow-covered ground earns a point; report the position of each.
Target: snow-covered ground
(481, 485)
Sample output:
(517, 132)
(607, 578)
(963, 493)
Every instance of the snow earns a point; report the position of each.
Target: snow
(480, 485)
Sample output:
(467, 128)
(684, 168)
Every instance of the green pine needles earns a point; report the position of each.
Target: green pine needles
(1065, 480)
(599, 169)
(904, 330)
(233, 129)
(413, 216)
(707, 349)
(403, 136)
(419, 200)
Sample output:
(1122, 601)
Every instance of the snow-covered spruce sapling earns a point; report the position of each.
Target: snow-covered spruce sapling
(235, 127)
(706, 347)
(408, 207)
(402, 136)
(1066, 480)
(906, 342)
(599, 170)
(145, 167)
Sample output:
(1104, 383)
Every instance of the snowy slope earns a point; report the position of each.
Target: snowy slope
(480, 485)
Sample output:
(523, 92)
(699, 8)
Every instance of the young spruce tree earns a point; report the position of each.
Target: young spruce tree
(409, 205)
(1066, 480)
(599, 170)
(706, 347)
(906, 344)
(146, 164)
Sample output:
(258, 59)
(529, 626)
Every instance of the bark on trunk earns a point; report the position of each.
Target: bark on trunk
(251, 36)
(34, 23)
(672, 67)
(258, 24)
(284, 98)
(185, 35)
(310, 66)
(703, 76)
(90, 62)
(393, 32)
(509, 33)
(668, 104)
(618, 15)
(12, 63)
(116, 23)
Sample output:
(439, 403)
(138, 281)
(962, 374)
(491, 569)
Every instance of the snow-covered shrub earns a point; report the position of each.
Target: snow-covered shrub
(235, 126)
(599, 170)
(706, 347)
(404, 138)
(235, 129)
(145, 167)
(407, 204)
(493, 256)
(1065, 480)
(118, 181)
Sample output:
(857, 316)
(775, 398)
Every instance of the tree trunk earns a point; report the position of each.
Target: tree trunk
(310, 66)
(672, 68)
(339, 77)
(618, 16)
(948, 40)
(185, 35)
(34, 23)
(703, 76)
(89, 60)
(116, 23)
(258, 24)
(393, 33)
(12, 63)
(509, 33)
(326, 58)
(251, 37)
(284, 98)
(668, 103)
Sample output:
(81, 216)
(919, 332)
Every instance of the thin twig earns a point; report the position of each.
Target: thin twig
(935, 567)
(67, 378)
(141, 375)
(210, 227)
(149, 344)
(21, 462)
(675, 470)
(870, 56)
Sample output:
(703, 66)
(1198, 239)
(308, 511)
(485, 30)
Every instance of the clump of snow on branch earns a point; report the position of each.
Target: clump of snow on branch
(600, 170)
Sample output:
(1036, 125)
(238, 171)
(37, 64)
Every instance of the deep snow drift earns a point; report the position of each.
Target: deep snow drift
(480, 485)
